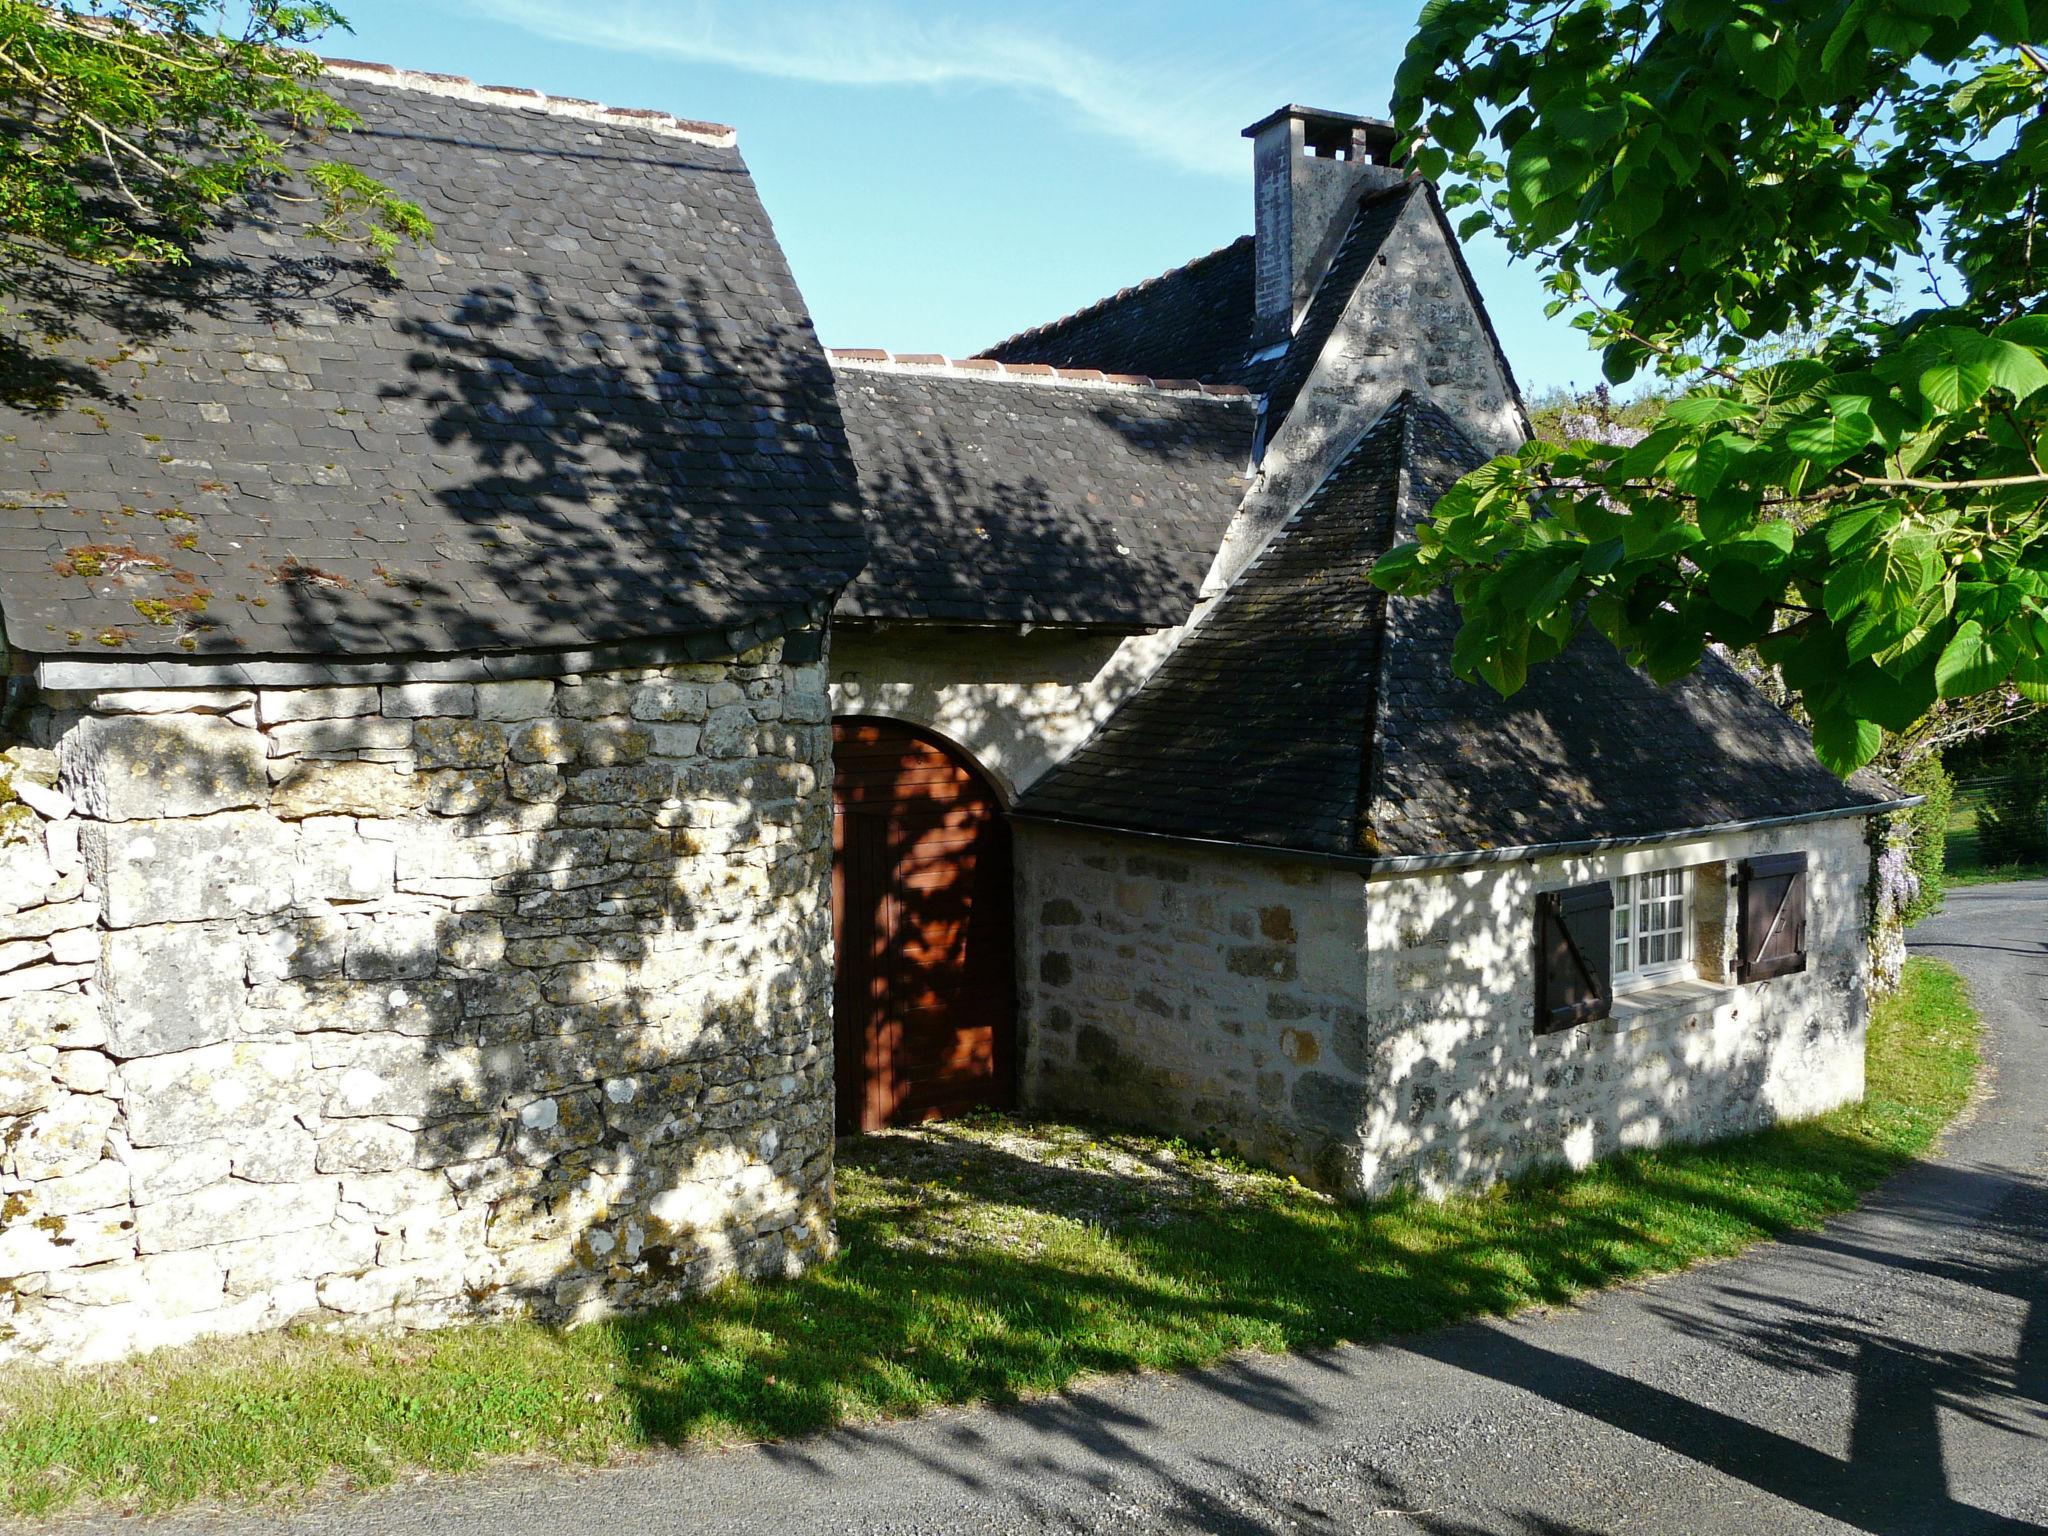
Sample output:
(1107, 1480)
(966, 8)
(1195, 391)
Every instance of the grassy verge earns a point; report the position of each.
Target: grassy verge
(981, 1262)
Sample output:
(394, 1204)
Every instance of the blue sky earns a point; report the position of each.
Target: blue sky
(944, 174)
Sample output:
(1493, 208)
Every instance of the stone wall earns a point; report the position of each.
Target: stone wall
(1016, 703)
(1467, 1092)
(400, 1003)
(1192, 991)
(1365, 1035)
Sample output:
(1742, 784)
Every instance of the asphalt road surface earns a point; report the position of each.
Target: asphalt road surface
(1888, 1374)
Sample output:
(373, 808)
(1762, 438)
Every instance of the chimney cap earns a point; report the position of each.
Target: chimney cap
(1378, 131)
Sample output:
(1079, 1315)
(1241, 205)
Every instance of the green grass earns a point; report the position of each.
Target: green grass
(970, 1272)
(1965, 858)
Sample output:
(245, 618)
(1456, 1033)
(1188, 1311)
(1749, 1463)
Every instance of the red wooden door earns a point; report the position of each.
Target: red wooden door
(924, 1001)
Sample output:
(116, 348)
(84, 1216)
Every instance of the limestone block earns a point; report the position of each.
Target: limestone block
(34, 979)
(85, 1071)
(277, 705)
(134, 767)
(458, 743)
(412, 701)
(540, 783)
(676, 740)
(521, 700)
(403, 1194)
(605, 742)
(339, 738)
(545, 1127)
(285, 1154)
(472, 941)
(345, 867)
(67, 1019)
(28, 1079)
(64, 1137)
(443, 857)
(729, 731)
(305, 947)
(236, 864)
(51, 918)
(157, 1173)
(172, 701)
(235, 1212)
(389, 1288)
(463, 791)
(417, 1009)
(377, 1076)
(366, 1146)
(19, 952)
(168, 1285)
(27, 875)
(267, 1263)
(40, 1241)
(345, 789)
(50, 804)
(394, 946)
(75, 946)
(100, 1185)
(545, 741)
(235, 1091)
(60, 844)
(595, 699)
(668, 700)
(168, 989)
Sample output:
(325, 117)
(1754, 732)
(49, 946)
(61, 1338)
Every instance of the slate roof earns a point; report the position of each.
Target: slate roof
(1194, 322)
(1016, 500)
(1309, 712)
(592, 410)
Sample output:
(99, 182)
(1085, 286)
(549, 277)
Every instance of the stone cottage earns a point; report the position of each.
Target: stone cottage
(453, 713)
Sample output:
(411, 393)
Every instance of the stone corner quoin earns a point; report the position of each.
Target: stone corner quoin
(400, 1003)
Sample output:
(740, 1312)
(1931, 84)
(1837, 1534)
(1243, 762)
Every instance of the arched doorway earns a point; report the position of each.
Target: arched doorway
(924, 998)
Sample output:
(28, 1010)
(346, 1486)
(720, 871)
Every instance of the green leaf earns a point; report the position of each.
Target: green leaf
(1845, 743)
(1827, 440)
(1973, 661)
(1704, 410)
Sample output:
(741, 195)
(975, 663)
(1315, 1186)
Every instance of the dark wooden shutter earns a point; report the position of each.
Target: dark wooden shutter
(1771, 922)
(1574, 955)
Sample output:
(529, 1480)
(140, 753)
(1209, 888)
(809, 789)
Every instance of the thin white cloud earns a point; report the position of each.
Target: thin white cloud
(1179, 116)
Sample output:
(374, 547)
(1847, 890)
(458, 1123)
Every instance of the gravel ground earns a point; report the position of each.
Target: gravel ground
(1888, 1374)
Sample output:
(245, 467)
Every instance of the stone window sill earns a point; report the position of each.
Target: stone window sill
(1670, 1003)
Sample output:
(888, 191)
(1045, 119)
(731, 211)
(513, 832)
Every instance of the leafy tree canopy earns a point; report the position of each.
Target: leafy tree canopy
(129, 123)
(1697, 179)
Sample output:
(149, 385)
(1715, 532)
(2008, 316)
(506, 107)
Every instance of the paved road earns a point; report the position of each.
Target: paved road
(1889, 1374)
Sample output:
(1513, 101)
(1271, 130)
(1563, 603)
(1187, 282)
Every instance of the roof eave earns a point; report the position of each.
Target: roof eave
(1392, 866)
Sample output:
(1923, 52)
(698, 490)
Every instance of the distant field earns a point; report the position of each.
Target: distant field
(1966, 862)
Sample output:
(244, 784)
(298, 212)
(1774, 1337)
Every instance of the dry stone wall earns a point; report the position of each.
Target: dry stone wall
(402, 1003)
(1367, 1035)
(1193, 991)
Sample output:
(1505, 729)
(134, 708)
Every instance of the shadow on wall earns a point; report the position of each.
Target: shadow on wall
(1464, 1090)
(538, 1018)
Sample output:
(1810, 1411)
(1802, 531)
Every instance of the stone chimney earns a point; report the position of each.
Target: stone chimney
(1307, 167)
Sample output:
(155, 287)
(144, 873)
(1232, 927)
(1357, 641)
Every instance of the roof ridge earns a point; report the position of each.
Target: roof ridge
(462, 88)
(877, 360)
(1121, 294)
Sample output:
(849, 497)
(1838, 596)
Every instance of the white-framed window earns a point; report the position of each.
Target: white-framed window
(1652, 928)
